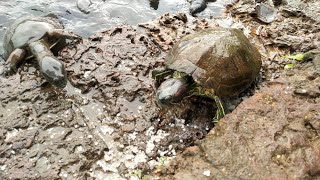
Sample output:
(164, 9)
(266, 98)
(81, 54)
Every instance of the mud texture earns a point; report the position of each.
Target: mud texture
(105, 123)
(275, 133)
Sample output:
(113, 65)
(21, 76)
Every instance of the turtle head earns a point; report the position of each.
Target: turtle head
(53, 71)
(50, 67)
(171, 91)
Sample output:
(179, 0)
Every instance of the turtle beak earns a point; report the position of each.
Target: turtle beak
(53, 71)
(171, 92)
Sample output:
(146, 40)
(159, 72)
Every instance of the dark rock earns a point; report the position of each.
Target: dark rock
(197, 6)
(266, 13)
(154, 4)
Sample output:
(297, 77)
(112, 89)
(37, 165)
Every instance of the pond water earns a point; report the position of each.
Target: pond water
(102, 13)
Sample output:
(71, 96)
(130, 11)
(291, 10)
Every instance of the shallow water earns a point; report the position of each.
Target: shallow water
(102, 13)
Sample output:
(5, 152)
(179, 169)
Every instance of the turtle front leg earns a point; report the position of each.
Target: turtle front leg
(159, 74)
(57, 33)
(220, 110)
(199, 91)
(13, 61)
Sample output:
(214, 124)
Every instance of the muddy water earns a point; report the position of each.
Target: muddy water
(102, 14)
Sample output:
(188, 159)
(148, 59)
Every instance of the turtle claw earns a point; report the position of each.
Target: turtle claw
(14, 59)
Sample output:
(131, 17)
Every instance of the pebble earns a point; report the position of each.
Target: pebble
(206, 173)
(266, 13)
(197, 6)
(83, 6)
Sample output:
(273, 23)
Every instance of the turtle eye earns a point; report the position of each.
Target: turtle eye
(180, 92)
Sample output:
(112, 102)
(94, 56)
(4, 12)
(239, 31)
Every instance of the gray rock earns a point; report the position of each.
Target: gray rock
(197, 6)
(83, 6)
(266, 13)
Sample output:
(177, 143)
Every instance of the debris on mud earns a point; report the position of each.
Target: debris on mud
(105, 123)
(295, 32)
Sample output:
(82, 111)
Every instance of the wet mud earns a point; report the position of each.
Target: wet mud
(105, 124)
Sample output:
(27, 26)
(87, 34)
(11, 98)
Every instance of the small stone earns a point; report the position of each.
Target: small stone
(83, 6)
(197, 6)
(266, 13)
(2, 168)
(206, 173)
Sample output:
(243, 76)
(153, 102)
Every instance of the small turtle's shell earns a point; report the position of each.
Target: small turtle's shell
(222, 59)
(26, 30)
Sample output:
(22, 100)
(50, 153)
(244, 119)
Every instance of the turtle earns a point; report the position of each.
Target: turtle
(36, 36)
(214, 62)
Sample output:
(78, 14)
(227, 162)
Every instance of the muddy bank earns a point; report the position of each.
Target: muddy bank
(105, 123)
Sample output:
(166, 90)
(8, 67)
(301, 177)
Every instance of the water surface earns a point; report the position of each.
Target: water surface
(102, 13)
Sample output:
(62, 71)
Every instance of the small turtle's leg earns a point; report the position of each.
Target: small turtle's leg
(159, 74)
(199, 91)
(220, 110)
(13, 61)
(57, 33)
(178, 75)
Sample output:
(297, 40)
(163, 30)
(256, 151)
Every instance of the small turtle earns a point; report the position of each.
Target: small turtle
(34, 37)
(217, 62)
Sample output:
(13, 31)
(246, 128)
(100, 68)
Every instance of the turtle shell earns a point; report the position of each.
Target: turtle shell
(26, 30)
(222, 59)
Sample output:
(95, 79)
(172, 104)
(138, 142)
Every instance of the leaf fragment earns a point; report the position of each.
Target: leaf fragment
(289, 66)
